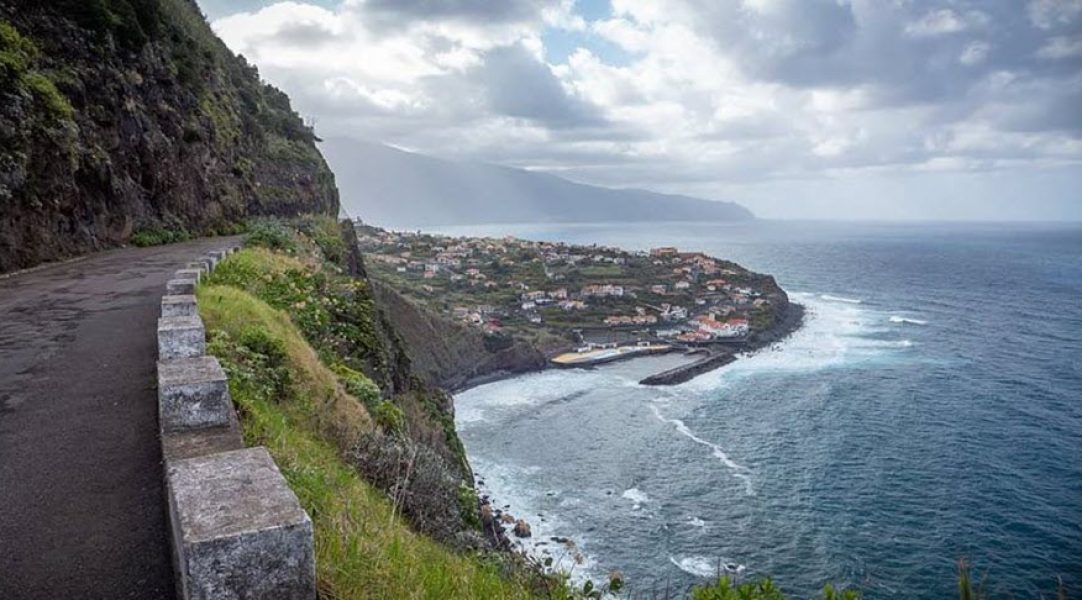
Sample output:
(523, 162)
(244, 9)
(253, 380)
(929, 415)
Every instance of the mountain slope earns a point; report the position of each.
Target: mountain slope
(126, 116)
(390, 187)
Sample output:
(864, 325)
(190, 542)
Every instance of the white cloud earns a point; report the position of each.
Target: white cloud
(1047, 14)
(1061, 47)
(709, 95)
(974, 53)
(945, 21)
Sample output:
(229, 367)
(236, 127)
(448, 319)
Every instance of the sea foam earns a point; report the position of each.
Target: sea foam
(701, 566)
(833, 334)
(907, 320)
(637, 496)
(739, 471)
(833, 298)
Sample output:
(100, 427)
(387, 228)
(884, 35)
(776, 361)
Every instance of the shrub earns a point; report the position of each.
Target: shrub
(327, 235)
(389, 417)
(16, 52)
(256, 362)
(363, 548)
(724, 589)
(418, 480)
(156, 236)
(358, 385)
(271, 233)
(470, 505)
(17, 57)
(45, 92)
(763, 589)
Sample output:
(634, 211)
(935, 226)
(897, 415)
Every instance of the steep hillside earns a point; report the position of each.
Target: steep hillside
(392, 188)
(449, 354)
(122, 118)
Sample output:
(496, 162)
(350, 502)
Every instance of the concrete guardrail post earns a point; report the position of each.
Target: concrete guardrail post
(180, 337)
(179, 306)
(193, 394)
(193, 274)
(177, 287)
(238, 529)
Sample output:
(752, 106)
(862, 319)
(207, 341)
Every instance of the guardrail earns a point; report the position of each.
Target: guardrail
(238, 530)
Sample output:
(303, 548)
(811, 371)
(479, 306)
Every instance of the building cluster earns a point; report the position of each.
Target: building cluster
(487, 282)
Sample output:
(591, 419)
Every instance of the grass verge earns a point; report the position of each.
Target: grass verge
(294, 405)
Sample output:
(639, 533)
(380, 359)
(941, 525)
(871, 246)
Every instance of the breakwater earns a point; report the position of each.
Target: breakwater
(689, 371)
(719, 356)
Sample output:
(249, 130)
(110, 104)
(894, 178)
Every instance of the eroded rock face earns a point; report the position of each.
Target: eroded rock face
(142, 124)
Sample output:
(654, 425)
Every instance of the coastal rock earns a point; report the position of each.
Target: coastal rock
(522, 529)
(506, 518)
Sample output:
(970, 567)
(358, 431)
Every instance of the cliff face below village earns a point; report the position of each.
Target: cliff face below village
(450, 354)
(124, 119)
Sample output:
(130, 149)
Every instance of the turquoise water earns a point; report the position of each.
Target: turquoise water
(930, 409)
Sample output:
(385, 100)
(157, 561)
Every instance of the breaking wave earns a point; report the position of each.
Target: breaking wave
(832, 298)
(637, 496)
(739, 471)
(701, 566)
(907, 320)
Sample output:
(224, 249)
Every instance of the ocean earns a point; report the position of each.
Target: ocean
(930, 409)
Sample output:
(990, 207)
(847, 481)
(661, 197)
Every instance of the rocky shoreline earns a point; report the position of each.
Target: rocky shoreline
(512, 533)
(716, 358)
(719, 357)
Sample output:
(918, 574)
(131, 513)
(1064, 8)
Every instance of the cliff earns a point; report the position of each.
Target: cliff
(450, 354)
(122, 118)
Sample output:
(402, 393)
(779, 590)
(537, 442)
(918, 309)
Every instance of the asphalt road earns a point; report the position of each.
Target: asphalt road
(82, 502)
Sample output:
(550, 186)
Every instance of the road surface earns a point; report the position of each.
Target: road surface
(82, 503)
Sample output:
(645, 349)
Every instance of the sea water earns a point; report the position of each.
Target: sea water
(929, 410)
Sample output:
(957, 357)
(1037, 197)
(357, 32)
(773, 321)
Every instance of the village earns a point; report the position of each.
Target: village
(607, 303)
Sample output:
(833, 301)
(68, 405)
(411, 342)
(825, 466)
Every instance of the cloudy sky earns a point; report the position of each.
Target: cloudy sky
(881, 109)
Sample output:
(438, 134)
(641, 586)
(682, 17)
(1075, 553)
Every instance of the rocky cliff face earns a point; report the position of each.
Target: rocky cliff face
(129, 117)
(447, 353)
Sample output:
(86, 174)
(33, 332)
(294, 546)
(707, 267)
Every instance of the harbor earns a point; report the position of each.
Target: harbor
(598, 356)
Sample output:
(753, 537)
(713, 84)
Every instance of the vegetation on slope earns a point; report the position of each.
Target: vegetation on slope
(129, 120)
(331, 307)
(293, 404)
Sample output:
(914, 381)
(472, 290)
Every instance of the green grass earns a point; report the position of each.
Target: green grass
(761, 589)
(156, 236)
(362, 548)
(18, 55)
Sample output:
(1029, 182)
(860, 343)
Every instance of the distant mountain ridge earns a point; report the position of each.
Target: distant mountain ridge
(391, 187)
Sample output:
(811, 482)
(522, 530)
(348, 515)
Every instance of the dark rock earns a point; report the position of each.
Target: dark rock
(522, 529)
